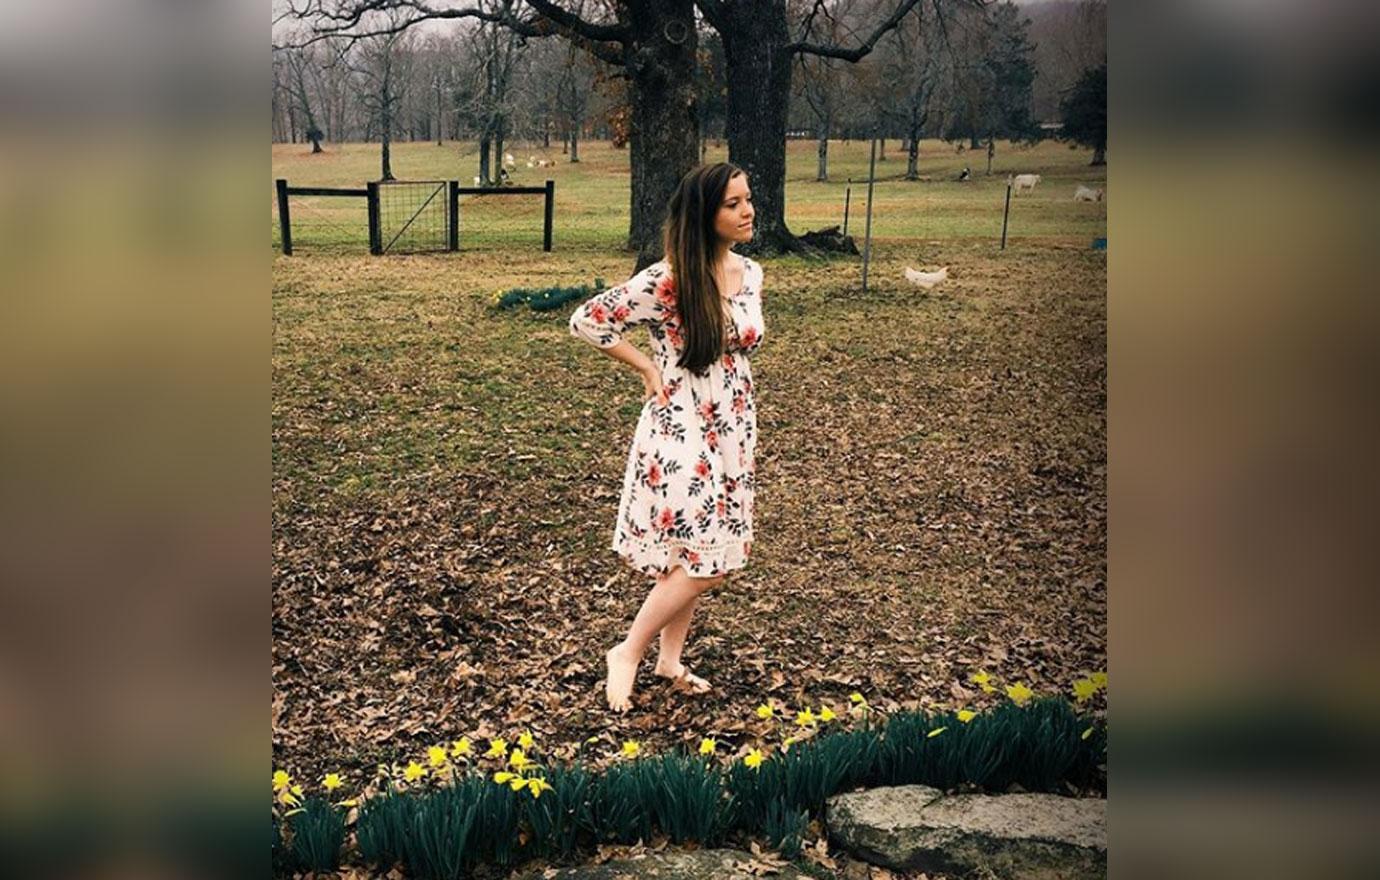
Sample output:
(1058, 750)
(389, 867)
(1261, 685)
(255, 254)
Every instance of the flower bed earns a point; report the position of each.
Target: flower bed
(442, 817)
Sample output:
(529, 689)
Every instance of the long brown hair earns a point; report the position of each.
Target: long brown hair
(690, 243)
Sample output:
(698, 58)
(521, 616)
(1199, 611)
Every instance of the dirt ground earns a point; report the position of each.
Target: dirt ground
(931, 502)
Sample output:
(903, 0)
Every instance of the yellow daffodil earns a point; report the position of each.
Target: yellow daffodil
(332, 781)
(503, 776)
(1099, 679)
(826, 714)
(498, 748)
(281, 780)
(349, 803)
(966, 715)
(805, 718)
(707, 746)
(753, 759)
(536, 785)
(1087, 733)
(856, 698)
(461, 747)
(290, 796)
(517, 783)
(592, 739)
(414, 772)
(526, 739)
(519, 760)
(436, 756)
(1019, 693)
(933, 733)
(764, 711)
(983, 680)
(1083, 690)
(631, 748)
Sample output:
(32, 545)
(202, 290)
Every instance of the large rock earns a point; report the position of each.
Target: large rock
(670, 864)
(1027, 836)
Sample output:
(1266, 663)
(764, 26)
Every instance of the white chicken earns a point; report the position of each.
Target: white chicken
(926, 280)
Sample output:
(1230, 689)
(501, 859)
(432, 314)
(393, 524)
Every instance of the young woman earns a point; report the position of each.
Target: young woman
(685, 516)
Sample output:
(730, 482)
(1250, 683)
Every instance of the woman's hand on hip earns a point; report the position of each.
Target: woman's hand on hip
(652, 387)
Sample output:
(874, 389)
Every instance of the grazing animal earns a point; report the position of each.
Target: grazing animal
(1023, 182)
(966, 175)
(1087, 194)
(926, 280)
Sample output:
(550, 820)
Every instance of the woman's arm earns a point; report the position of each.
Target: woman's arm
(603, 320)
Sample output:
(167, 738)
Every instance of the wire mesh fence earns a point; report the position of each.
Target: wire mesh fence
(323, 224)
(412, 216)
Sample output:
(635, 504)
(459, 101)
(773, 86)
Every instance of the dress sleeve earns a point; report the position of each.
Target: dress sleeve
(643, 299)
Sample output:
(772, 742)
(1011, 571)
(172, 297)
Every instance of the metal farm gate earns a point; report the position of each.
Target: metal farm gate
(410, 216)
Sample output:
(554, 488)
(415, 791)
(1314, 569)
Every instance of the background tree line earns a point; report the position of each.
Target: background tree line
(664, 76)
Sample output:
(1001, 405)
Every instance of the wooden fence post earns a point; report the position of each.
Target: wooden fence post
(550, 213)
(284, 221)
(453, 217)
(375, 233)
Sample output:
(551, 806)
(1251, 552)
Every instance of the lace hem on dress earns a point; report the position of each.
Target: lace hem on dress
(654, 558)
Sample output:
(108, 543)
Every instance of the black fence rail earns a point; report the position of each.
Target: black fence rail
(412, 215)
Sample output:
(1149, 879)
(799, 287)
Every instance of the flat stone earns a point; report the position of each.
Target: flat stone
(1027, 836)
(670, 864)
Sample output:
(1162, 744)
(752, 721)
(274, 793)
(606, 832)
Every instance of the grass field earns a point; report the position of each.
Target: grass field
(931, 467)
(592, 197)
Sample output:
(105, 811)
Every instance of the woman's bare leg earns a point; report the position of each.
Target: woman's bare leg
(667, 599)
(671, 642)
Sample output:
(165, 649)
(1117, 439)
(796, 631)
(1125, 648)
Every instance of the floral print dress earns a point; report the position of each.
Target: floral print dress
(688, 486)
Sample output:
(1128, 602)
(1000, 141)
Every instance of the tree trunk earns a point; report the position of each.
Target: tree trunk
(1099, 156)
(822, 172)
(498, 151)
(758, 72)
(484, 141)
(316, 142)
(387, 138)
(917, 125)
(665, 114)
(575, 142)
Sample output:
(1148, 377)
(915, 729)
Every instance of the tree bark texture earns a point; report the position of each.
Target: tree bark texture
(660, 61)
(755, 38)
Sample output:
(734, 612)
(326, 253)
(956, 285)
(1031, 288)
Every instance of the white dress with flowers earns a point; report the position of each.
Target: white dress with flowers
(688, 487)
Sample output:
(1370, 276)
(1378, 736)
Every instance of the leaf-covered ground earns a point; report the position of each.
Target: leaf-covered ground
(931, 500)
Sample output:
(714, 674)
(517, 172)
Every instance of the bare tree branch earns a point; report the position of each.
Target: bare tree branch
(341, 22)
(856, 53)
(713, 12)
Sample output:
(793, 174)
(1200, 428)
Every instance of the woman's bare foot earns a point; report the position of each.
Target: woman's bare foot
(622, 672)
(682, 676)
